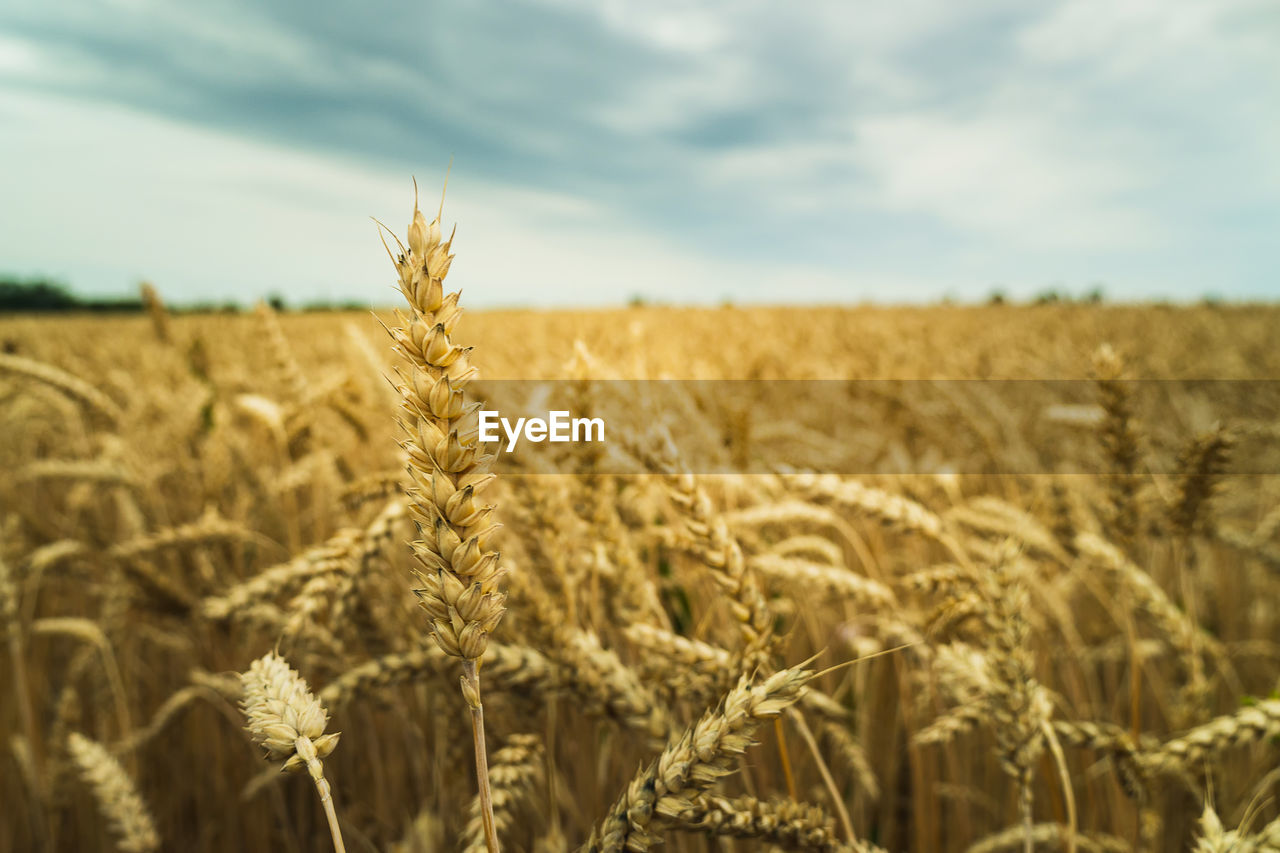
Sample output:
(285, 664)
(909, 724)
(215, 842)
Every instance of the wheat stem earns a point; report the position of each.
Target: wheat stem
(837, 802)
(326, 800)
(471, 692)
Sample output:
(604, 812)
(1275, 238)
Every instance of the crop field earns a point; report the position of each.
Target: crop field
(923, 579)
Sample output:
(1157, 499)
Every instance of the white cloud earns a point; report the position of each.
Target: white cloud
(677, 27)
(1192, 39)
(1011, 177)
(1198, 77)
(19, 58)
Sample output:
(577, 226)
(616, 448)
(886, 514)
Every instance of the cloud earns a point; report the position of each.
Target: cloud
(18, 57)
(935, 144)
(1155, 37)
(1013, 177)
(1196, 79)
(202, 213)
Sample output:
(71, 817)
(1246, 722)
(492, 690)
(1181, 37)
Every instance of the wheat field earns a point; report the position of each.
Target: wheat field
(232, 543)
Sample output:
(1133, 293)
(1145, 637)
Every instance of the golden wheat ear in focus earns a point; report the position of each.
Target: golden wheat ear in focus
(459, 571)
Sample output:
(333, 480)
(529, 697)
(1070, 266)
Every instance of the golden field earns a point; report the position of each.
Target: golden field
(939, 659)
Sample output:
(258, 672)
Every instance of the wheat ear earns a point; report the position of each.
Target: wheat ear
(73, 387)
(787, 823)
(459, 572)
(288, 722)
(690, 765)
(1120, 441)
(117, 797)
(156, 311)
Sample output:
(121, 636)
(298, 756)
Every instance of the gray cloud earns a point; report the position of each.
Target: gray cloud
(938, 141)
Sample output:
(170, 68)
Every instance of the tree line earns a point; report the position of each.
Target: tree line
(43, 295)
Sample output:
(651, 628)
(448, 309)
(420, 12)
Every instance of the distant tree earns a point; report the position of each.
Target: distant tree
(126, 305)
(44, 295)
(35, 295)
(277, 303)
(207, 308)
(326, 305)
(997, 297)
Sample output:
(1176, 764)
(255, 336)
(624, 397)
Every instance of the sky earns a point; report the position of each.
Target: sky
(811, 152)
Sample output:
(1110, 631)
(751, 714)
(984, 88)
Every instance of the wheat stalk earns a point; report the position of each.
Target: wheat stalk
(513, 772)
(460, 574)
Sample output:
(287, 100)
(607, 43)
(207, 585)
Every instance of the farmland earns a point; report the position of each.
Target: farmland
(990, 616)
